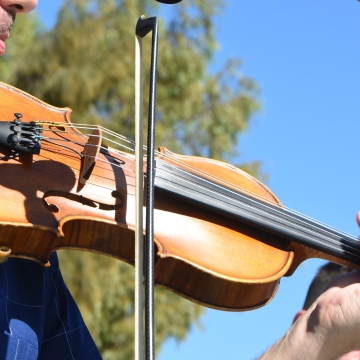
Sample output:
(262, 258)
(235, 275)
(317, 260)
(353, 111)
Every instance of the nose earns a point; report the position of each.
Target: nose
(19, 6)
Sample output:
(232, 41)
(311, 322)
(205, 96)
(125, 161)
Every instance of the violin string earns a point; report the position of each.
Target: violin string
(289, 212)
(350, 247)
(181, 164)
(219, 180)
(83, 144)
(86, 127)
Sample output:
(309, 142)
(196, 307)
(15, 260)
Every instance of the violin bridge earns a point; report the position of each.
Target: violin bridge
(90, 153)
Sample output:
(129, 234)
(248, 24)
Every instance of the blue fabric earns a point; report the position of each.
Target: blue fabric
(38, 317)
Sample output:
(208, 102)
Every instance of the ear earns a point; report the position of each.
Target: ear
(298, 315)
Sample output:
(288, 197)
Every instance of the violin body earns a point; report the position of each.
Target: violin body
(201, 255)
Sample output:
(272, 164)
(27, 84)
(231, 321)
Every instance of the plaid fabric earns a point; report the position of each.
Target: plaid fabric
(38, 317)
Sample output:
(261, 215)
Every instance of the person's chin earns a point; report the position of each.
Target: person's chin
(353, 355)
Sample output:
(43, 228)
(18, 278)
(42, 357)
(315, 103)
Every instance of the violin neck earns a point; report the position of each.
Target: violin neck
(260, 214)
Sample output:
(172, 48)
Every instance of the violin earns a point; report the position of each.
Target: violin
(222, 238)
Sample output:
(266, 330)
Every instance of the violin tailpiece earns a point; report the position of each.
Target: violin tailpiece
(20, 137)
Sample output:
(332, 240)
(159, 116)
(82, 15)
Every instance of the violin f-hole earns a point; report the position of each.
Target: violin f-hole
(82, 200)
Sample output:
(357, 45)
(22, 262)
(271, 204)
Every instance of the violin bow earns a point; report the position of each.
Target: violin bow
(139, 176)
(143, 27)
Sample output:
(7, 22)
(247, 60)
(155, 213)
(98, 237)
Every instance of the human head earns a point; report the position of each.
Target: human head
(8, 10)
(319, 284)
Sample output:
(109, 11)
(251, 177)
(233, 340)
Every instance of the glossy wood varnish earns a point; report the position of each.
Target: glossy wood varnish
(201, 255)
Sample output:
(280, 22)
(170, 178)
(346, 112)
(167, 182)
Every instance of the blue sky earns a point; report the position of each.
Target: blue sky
(305, 56)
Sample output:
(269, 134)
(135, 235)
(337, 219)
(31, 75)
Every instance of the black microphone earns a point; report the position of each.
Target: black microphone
(168, 1)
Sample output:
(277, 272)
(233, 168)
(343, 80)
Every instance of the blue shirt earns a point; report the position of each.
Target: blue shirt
(38, 316)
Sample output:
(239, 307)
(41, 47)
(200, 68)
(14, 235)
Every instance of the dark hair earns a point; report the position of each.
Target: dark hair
(324, 275)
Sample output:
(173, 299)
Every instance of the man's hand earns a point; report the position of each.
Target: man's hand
(329, 329)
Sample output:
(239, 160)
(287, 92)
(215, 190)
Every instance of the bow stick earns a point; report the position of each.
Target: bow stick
(143, 27)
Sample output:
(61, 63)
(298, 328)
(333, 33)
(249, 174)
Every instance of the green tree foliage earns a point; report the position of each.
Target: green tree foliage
(86, 62)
